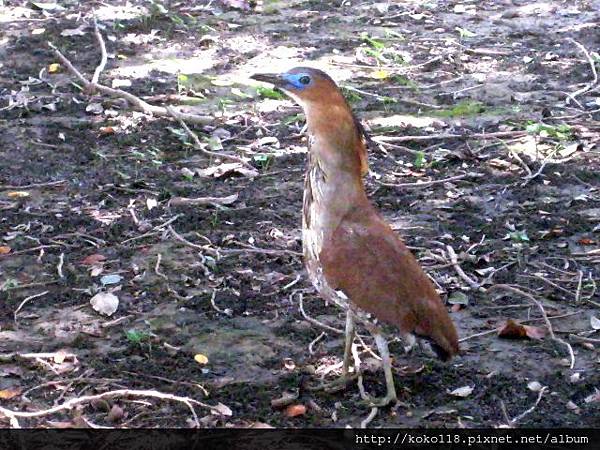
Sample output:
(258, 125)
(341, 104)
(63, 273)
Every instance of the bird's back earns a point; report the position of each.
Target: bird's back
(371, 265)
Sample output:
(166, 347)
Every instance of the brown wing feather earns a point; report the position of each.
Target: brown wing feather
(372, 266)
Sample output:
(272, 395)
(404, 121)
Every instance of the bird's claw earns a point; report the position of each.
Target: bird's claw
(379, 402)
(335, 385)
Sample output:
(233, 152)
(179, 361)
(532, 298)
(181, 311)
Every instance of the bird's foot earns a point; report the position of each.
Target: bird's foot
(335, 385)
(380, 402)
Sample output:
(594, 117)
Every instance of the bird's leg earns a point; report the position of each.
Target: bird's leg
(349, 333)
(384, 352)
(345, 378)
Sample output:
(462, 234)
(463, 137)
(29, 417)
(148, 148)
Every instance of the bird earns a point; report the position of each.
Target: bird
(353, 257)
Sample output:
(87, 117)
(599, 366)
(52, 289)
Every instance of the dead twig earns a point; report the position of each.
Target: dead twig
(423, 184)
(310, 319)
(314, 342)
(103, 55)
(5, 187)
(533, 176)
(584, 339)
(202, 248)
(135, 102)
(515, 420)
(221, 201)
(433, 137)
(226, 311)
(69, 404)
(203, 147)
(473, 284)
(592, 64)
(579, 283)
(369, 418)
(22, 304)
(10, 357)
(61, 261)
(157, 267)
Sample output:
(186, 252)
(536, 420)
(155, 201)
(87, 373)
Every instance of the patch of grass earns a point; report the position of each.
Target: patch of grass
(264, 161)
(519, 236)
(462, 109)
(266, 92)
(351, 96)
(136, 337)
(561, 132)
(293, 119)
(403, 81)
(180, 134)
(379, 50)
(8, 284)
(464, 33)
(420, 160)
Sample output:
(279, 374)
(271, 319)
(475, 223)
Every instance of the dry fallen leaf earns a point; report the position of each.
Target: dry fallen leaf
(595, 397)
(380, 74)
(259, 425)
(60, 425)
(4, 249)
(59, 357)
(222, 409)
(90, 260)
(586, 241)
(201, 359)
(7, 394)
(286, 399)
(105, 303)
(79, 31)
(594, 321)
(464, 391)
(17, 194)
(227, 169)
(106, 130)
(534, 332)
(534, 386)
(295, 410)
(514, 330)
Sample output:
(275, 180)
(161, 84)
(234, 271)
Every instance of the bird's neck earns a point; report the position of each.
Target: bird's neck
(333, 186)
(334, 183)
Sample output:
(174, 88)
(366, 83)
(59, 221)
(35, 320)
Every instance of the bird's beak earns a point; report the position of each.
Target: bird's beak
(273, 78)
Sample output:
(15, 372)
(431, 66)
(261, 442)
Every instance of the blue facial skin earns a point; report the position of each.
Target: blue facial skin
(298, 81)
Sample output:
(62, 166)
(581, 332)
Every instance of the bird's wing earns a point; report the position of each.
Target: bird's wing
(367, 261)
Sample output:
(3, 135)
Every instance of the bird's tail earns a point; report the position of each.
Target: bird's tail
(438, 329)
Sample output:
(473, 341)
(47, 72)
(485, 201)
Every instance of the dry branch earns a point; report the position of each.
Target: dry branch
(433, 137)
(189, 402)
(592, 64)
(429, 183)
(198, 145)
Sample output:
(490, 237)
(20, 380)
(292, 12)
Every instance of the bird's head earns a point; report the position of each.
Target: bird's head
(327, 112)
(304, 84)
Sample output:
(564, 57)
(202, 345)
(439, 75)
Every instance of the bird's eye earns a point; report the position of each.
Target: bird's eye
(304, 79)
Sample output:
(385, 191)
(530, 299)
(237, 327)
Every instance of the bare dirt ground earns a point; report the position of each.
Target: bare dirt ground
(502, 176)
